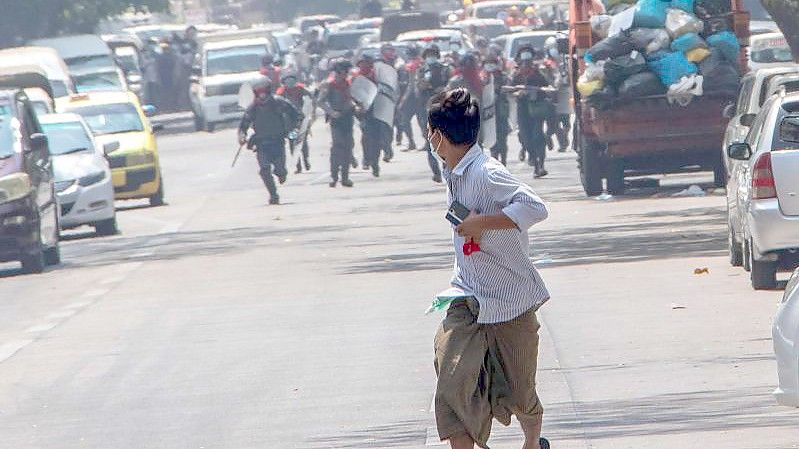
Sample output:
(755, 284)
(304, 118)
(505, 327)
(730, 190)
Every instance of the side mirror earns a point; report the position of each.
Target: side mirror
(158, 127)
(39, 143)
(149, 110)
(110, 147)
(739, 151)
(729, 111)
(748, 119)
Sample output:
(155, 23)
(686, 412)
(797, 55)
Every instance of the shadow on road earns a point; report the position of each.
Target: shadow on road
(401, 434)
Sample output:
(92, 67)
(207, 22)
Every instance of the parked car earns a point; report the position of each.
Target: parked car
(220, 70)
(346, 43)
(119, 117)
(100, 80)
(28, 207)
(785, 336)
(127, 50)
(763, 193)
(40, 100)
(83, 182)
(751, 97)
(511, 43)
(305, 23)
(46, 59)
(81, 53)
(769, 50)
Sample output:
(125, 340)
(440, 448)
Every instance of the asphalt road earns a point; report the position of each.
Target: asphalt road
(218, 321)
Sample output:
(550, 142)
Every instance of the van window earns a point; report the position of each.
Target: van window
(90, 62)
(234, 60)
(111, 118)
(7, 142)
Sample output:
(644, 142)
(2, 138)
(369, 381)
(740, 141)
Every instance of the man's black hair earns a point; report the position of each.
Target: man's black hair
(457, 115)
(432, 50)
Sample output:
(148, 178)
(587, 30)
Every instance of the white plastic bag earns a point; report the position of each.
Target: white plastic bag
(683, 91)
(679, 22)
(593, 71)
(621, 22)
(650, 40)
(600, 25)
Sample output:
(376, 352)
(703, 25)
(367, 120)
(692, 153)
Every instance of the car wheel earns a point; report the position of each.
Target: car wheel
(764, 275)
(107, 227)
(33, 260)
(199, 123)
(615, 177)
(52, 256)
(736, 252)
(158, 199)
(747, 262)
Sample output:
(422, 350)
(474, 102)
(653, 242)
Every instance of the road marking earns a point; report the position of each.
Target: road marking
(40, 328)
(9, 349)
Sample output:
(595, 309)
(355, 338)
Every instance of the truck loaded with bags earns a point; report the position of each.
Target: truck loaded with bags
(651, 80)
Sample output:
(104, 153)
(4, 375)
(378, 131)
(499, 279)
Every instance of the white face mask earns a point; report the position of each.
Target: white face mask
(434, 149)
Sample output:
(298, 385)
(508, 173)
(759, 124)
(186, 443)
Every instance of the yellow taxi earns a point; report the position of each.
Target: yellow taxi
(119, 123)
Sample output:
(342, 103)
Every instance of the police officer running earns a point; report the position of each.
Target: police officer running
(273, 120)
(296, 92)
(431, 79)
(335, 98)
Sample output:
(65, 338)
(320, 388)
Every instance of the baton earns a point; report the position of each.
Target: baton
(236, 157)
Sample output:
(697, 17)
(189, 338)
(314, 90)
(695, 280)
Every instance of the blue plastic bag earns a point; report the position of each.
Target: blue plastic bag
(687, 42)
(671, 67)
(727, 43)
(685, 5)
(650, 13)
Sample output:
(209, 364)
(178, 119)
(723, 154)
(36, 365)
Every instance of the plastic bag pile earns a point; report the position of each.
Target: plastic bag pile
(678, 48)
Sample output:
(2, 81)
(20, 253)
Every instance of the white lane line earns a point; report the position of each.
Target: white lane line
(9, 349)
(77, 305)
(96, 292)
(40, 328)
(61, 315)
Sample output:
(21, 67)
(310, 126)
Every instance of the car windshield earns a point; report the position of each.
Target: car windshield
(756, 10)
(345, 41)
(90, 62)
(235, 60)
(111, 118)
(100, 81)
(492, 12)
(285, 42)
(536, 41)
(7, 141)
(127, 59)
(67, 137)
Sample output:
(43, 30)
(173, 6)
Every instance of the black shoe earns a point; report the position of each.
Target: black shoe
(333, 184)
(354, 164)
(544, 443)
(366, 166)
(274, 201)
(347, 183)
(387, 159)
(437, 179)
(522, 155)
(307, 166)
(376, 171)
(281, 179)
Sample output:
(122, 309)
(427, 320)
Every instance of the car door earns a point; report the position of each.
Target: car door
(39, 166)
(735, 132)
(785, 163)
(744, 168)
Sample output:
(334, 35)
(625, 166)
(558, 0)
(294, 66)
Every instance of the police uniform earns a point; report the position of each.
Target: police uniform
(335, 99)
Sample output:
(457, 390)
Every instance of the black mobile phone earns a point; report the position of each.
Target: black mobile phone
(457, 213)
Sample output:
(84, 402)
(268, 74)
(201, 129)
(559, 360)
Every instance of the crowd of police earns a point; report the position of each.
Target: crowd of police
(534, 84)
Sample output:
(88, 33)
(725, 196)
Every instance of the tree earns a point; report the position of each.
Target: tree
(30, 19)
(786, 14)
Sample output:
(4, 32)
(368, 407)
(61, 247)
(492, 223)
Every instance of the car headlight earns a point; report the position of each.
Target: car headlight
(139, 159)
(212, 91)
(91, 179)
(14, 187)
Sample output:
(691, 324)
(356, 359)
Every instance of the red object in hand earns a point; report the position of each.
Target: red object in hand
(470, 248)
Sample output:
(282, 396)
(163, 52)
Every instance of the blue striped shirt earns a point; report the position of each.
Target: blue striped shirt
(501, 276)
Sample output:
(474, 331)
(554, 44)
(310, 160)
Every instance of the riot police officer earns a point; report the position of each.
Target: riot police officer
(273, 120)
(431, 79)
(335, 98)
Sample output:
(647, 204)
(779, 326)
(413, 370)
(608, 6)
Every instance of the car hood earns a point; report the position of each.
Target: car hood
(128, 142)
(67, 167)
(232, 78)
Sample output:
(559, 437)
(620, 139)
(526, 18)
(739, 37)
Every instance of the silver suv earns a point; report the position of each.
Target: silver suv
(763, 193)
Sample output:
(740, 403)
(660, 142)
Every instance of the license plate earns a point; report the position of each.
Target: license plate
(230, 108)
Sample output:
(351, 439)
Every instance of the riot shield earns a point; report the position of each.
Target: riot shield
(363, 91)
(488, 116)
(385, 104)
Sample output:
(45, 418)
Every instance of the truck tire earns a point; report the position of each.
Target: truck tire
(615, 177)
(590, 165)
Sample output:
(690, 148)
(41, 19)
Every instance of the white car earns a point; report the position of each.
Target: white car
(222, 67)
(442, 38)
(785, 335)
(763, 193)
(750, 99)
(83, 183)
(769, 50)
(511, 43)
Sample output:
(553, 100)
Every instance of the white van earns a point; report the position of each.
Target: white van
(45, 58)
(223, 64)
